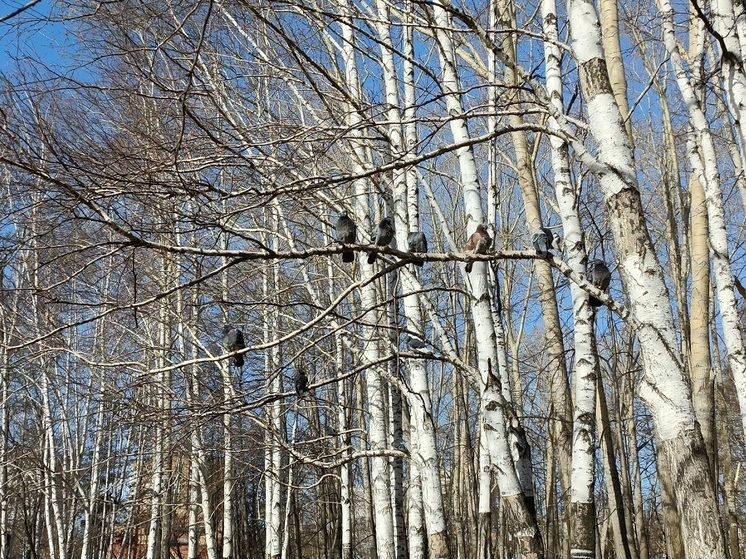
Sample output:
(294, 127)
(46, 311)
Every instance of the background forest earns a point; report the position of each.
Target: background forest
(171, 167)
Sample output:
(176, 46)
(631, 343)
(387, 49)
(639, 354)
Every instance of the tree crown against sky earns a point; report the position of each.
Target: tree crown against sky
(170, 167)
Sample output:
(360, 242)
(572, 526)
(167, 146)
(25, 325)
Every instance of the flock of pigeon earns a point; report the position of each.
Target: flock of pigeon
(479, 242)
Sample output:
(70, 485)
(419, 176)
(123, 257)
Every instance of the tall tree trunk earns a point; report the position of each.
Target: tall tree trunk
(582, 511)
(380, 476)
(664, 386)
(703, 158)
(703, 382)
(521, 522)
(614, 60)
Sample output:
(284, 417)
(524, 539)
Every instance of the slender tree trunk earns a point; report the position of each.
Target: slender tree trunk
(272, 452)
(730, 474)
(621, 535)
(380, 476)
(614, 60)
(582, 510)
(703, 158)
(703, 382)
(521, 521)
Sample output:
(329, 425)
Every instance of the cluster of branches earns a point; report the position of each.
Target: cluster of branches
(179, 166)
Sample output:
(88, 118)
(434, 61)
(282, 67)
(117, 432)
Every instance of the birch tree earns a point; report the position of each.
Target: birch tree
(674, 415)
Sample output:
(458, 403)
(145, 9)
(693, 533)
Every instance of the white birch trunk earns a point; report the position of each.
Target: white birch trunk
(345, 480)
(85, 550)
(198, 485)
(734, 79)
(272, 453)
(484, 506)
(380, 475)
(703, 158)
(521, 522)
(419, 396)
(193, 534)
(156, 484)
(582, 505)
(4, 424)
(228, 395)
(416, 531)
(664, 386)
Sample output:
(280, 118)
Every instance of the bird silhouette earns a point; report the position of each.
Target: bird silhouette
(346, 231)
(233, 341)
(417, 242)
(414, 343)
(599, 275)
(479, 243)
(301, 382)
(542, 240)
(382, 237)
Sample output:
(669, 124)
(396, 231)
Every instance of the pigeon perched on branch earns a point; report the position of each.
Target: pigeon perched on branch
(417, 243)
(382, 237)
(479, 243)
(301, 382)
(543, 240)
(233, 341)
(598, 274)
(414, 343)
(346, 232)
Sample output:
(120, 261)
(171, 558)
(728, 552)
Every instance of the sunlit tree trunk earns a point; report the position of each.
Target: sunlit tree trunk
(556, 369)
(703, 382)
(703, 158)
(582, 511)
(521, 522)
(157, 485)
(664, 386)
(380, 475)
(5, 533)
(614, 61)
(423, 430)
(274, 431)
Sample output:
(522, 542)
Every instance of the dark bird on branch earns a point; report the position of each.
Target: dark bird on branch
(233, 341)
(414, 343)
(598, 274)
(301, 382)
(479, 243)
(543, 240)
(346, 232)
(417, 243)
(382, 237)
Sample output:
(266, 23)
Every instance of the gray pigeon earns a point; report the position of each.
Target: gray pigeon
(414, 343)
(417, 243)
(479, 243)
(542, 240)
(598, 274)
(382, 237)
(346, 232)
(301, 382)
(233, 341)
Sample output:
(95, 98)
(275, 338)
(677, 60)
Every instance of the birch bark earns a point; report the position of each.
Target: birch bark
(380, 475)
(703, 158)
(423, 429)
(521, 523)
(582, 504)
(664, 386)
